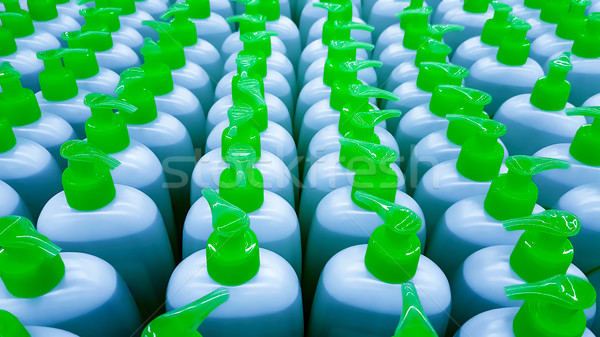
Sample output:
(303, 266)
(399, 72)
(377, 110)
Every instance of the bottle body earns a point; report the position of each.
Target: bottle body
(104, 82)
(118, 58)
(62, 23)
(39, 331)
(411, 95)
(548, 44)
(71, 110)
(471, 50)
(195, 79)
(472, 23)
(134, 20)
(129, 37)
(582, 78)
(289, 34)
(392, 56)
(11, 203)
(383, 15)
(213, 29)
(594, 278)
(208, 57)
(28, 65)
(310, 94)
(38, 41)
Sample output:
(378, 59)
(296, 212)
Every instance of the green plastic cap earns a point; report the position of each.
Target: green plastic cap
(258, 43)
(17, 104)
(107, 130)
(127, 6)
(432, 74)
(552, 307)
(19, 23)
(481, 155)
(415, 17)
(95, 40)
(101, 19)
(476, 6)
(56, 81)
(7, 136)
(132, 88)
(514, 48)
(248, 91)
(394, 249)
(348, 75)
(551, 92)
(341, 30)
(513, 194)
(533, 4)
(159, 78)
(8, 45)
(82, 62)
(241, 183)
(232, 253)
(362, 124)
(572, 24)
(358, 101)
(184, 30)
(336, 12)
(414, 321)
(11, 326)
(252, 7)
(199, 9)
(185, 321)
(544, 249)
(42, 10)
(585, 146)
(87, 182)
(437, 32)
(432, 51)
(498, 26)
(338, 53)
(247, 68)
(587, 43)
(463, 101)
(249, 23)
(271, 9)
(241, 129)
(30, 264)
(172, 50)
(554, 10)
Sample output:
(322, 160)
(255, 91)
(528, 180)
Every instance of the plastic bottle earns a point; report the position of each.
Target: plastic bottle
(286, 28)
(550, 15)
(383, 13)
(23, 60)
(197, 50)
(112, 55)
(11, 203)
(98, 19)
(543, 251)
(232, 258)
(22, 111)
(247, 24)
(311, 14)
(60, 94)
(210, 26)
(511, 72)
(594, 278)
(395, 33)
(26, 36)
(272, 219)
(547, 102)
(88, 73)
(128, 16)
(494, 30)
(117, 223)
(528, 9)
(69, 8)
(71, 291)
(315, 31)
(46, 18)
(472, 15)
(186, 320)
(11, 326)
(552, 307)
(476, 222)
(365, 284)
(592, 101)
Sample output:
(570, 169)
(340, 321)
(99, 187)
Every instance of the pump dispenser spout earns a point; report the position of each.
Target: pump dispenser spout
(184, 30)
(551, 92)
(106, 130)
(432, 74)
(362, 124)
(249, 23)
(18, 104)
(56, 81)
(414, 322)
(11, 326)
(132, 89)
(358, 101)
(242, 184)
(159, 78)
(585, 146)
(18, 23)
(241, 129)
(514, 48)
(498, 26)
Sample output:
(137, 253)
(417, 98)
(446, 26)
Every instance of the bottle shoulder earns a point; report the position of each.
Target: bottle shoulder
(27, 158)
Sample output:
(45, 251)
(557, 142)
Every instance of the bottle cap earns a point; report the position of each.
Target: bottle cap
(414, 321)
(394, 248)
(587, 43)
(498, 26)
(159, 78)
(132, 88)
(127, 6)
(172, 49)
(249, 23)
(30, 263)
(185, 321)
(414, 4)
(446, 99)
(259, 44)
(437, 32)
(107, 130)
(432, 74)
(544, 249)
(42, 10)
(87, 182)
(199, 9)
(514, 47)
(232, 253)
(251, 7)
(13, 6)
(358, 101)
(347, 76)
(513, 194)
(11, 326)
(341, 30)
(432, 51)
(82, 62)
(481, 155)
(551, 92)
(8, 45)
(57, 82)
(18, 23)
(184, 30)
(552, 307)
(476, 6)
(271, 9)
(585, 146)
(247, 91)
(241, 183)
(247, 68)
(362, 124)
(338, 53)
(95, 40)
(533, 4)
(553, 10)
(468, 102)
(335, 13)
(101, 19)
(416, 17)
(18, 105)
(241, 129)
(570, 25)
(7, 136)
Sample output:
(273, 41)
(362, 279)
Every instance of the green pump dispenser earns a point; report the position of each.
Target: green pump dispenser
(87, 182)
(432, 74)
(17, 104)
(18, 23)
(481, 155)
(552, 307)
(241, 183)
(432, 51)
(414, 322)
(476, 6)
(585, 146)
(362, 124)
(126, 6)
(232, 253)
(587, 43)
(184, 30)
(248, 91)
(97, 41)
(553, 10)
(106, 130)
(358, 101)
(82, 62)
(394, 249)
(101, 19)
(271, 9)
(132, 88)
(259, 45)
(42, 10)
(414, 23)
(7, 136)
(251, 7)
(544, 249)
(249, 23)
(336, 13)
(30, 264)
(347, 76)
(246, 68)
(338, 53)
(533, 4)
(199, 9)
(551, 92)
(159, 78)
(437, 32)
(172, 49)
(338, 29)
(185, 321)
(572, 24)
(513, 194)
(469, 102)
(56, 81)
(8, 45)
(498, 26)
(514, 48)
(11, 326)
(241, 129)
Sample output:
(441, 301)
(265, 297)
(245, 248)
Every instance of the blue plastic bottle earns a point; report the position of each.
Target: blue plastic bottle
(594, 278)
(551, 13)
(383, 13)
(395, 34)
(107, 19)
(26, 36)
(23, 60)
(472, 15)
(10, 325)
(129, 15)
(210, 26)
(11, 203)
(47, 18)
(286, 28)
(88, 73)
(315, 31)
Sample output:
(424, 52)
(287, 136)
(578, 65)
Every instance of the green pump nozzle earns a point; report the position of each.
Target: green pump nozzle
(544, 249)
(13, 6)
(348, 75)
(241, 129)
(338, 53)
(362, 124)
(336, 12)
(172, 49)
(248, 91)
(417, 18)
(432, 74)
(552, 91)
(394, 248)
(42, 10)
(30, 264)
(585, 146)
(533, 4)
(107, 130)
(573, 23)
(414, 321)
(56, 81)
(7, 136)
(464, 101)
(587, 43)
(514, 47)
(185, 321)
(8, 45)
(132, 88)
(87, 182)
(199, 9)
(251, 7)
(513, 194)
(498, 26)
(246, 69)
(249, 23)
(184, 30)
(95, 40)
(126, 6)
(481, 155)
(432, 51)
(553, 10)
(358, 101)
(341, 30)
(159, 78)
(271, 9)
(232, 256)
(259, 45)
(437, 32)
(552, 307)
(18, 104)
(476, 6)
(100, 19)
(18, 23)
(82, 62)
(11, 326)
